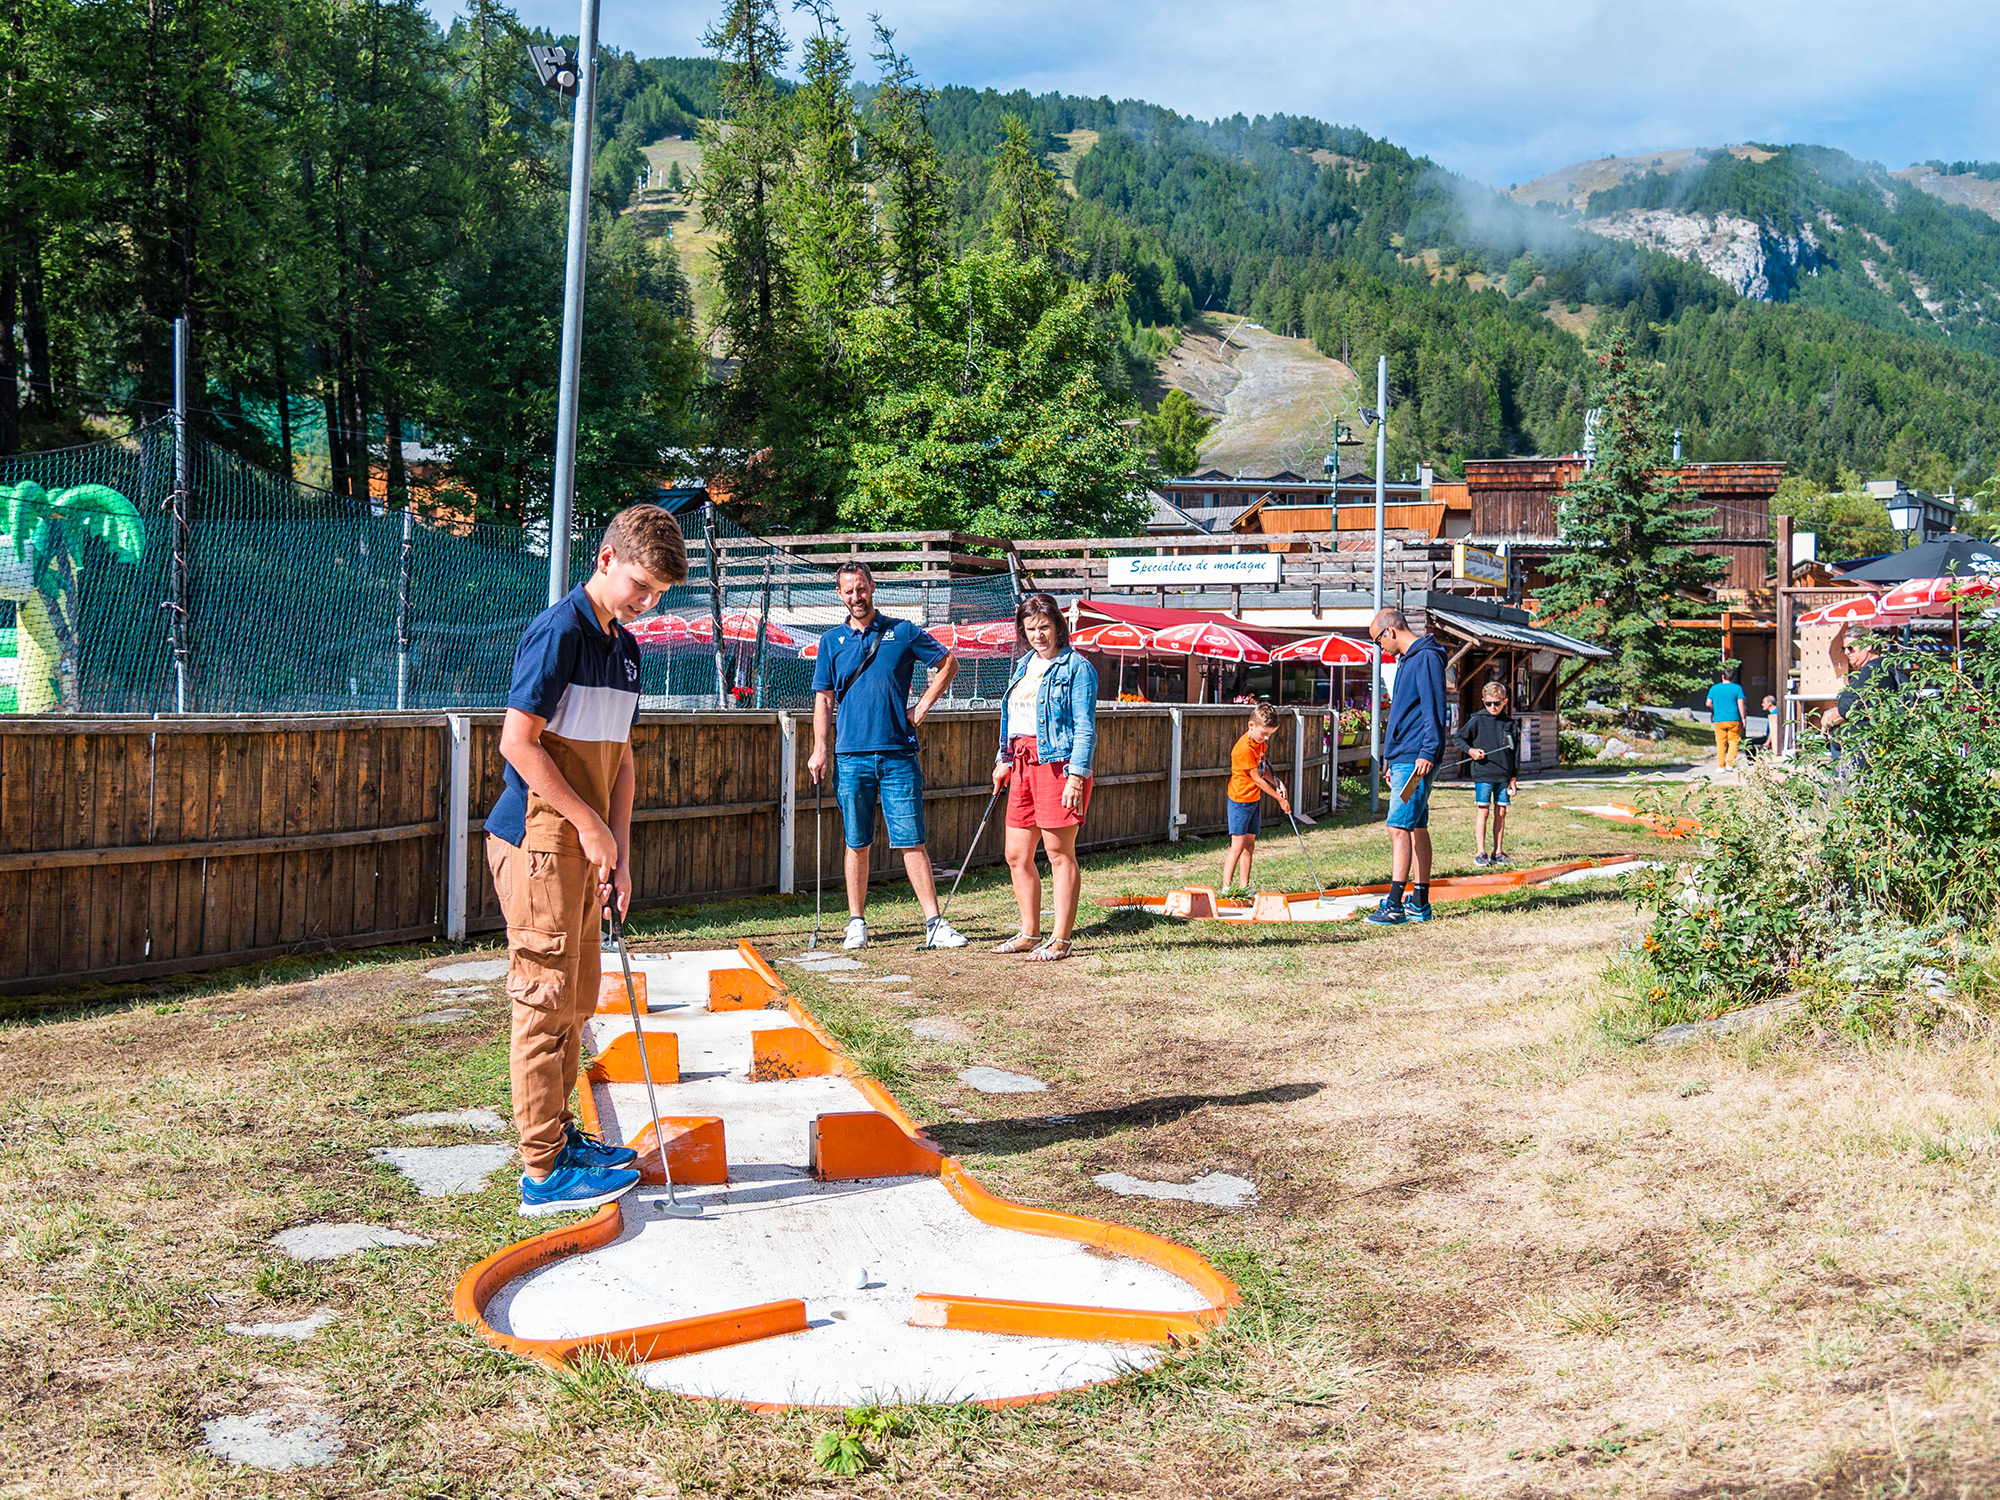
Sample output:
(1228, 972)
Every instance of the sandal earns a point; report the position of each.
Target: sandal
(1020, 942)
(1053, 950)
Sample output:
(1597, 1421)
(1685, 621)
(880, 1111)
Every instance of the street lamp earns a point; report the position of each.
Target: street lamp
(558, 70)
(1907, 517)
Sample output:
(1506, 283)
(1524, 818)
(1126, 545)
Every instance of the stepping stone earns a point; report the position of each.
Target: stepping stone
(889, 978)
(999, 1081)
(441, 1017)
(459, 992)
(826, 965)
(943, 1029)
(1735, 1021)
(332, 1241)
(289, 1437)
(446, 1171)
(298, 1330)
(478, 968)
(472, 1119)
(1216, 1189)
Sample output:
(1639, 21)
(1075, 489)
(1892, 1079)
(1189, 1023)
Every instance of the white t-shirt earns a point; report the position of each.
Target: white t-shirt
(1021, 701)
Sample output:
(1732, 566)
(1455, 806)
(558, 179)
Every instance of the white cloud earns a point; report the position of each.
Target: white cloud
(1497, 92)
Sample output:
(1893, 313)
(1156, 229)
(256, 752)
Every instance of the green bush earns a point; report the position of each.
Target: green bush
(1865, 872)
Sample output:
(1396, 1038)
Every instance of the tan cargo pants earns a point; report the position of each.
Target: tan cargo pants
(550, 903)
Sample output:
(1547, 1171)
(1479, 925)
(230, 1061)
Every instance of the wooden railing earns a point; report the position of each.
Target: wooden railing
(134, 848)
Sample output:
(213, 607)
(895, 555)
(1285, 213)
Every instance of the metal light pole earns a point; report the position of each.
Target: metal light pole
(1381, 470)
(177, 627)
(572, 332)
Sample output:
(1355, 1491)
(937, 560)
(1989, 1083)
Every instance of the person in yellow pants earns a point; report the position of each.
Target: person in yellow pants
(1725, 707)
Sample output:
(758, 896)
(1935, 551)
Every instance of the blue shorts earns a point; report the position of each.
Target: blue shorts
(1416, 812)
(1484, 792)
(862, 781)
(1245, 817)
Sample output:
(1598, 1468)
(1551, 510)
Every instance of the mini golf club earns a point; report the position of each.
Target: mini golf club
(673, 1206)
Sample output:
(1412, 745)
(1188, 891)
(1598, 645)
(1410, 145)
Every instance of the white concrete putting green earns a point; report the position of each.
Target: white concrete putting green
(840, 1257)
(297, 1331)
(1216, 1189)
(446, 1171)
(332, 1241)
(1000, 1081)
(487, 969)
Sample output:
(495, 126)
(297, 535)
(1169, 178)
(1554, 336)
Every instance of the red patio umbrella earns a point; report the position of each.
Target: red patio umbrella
(1864, 609)
(1929, 595)
(1327, 650)
(1116, 638)
(1206, 638)
(974, 642)
(1212, 640)
(660, 631)
(741, 625)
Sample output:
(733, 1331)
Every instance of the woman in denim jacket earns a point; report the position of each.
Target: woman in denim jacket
(1048, 734)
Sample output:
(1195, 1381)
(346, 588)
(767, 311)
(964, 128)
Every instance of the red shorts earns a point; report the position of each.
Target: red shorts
(1034, 791)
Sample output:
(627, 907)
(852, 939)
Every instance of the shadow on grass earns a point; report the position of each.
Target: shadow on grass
(1004, 1137)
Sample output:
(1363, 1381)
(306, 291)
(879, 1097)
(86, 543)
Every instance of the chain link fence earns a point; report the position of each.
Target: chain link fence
(263, 595)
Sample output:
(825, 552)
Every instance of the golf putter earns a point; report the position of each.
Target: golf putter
(673, 1206)
(970, 850)
(1300, 833)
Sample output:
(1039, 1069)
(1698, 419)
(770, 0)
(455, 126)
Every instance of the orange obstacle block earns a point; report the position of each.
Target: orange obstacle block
(1195, 901)
(611, 994)
(695, 1151)
(863, 1143)
(1053, 1320)
(639, 1346)
(619, 1062)
(1271, 906)
(740, 989)
(789, 1052)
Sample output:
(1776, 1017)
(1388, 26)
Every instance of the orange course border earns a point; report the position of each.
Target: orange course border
(1199, 902)
(845, 1145)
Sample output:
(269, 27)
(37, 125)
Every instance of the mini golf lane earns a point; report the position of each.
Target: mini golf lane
(841, 1259)
(1344, 902)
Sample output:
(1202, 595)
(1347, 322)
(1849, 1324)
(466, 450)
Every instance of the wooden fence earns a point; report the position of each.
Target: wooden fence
(133, 848)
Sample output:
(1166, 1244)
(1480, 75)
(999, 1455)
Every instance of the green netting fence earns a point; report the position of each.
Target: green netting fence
(291, 599)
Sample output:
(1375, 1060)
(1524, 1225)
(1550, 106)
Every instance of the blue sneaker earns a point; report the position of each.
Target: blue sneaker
(568, 1190)
(1416, 911)
(594, 1154)
(1388, 914)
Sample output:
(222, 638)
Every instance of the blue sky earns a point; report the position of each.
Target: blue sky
(1499, 92)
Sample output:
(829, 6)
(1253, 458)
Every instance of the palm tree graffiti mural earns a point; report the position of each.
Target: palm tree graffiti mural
(42, 560)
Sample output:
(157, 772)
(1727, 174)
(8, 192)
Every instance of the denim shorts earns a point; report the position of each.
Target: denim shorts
(862, 781)
(1484, 792)
(1245, 817)
(1416, 811)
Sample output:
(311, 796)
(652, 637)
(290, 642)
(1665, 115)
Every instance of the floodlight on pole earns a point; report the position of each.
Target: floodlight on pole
(1381, 421)
(552, 66)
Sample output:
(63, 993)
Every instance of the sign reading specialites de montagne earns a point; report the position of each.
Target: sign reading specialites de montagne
(1159, 570)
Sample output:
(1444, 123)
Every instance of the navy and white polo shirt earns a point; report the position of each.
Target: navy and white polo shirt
(584, 681)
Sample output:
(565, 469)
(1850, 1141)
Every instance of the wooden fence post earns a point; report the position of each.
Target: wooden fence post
(1174, 815)
(788, 800)
(457, 821)
(1299, 759)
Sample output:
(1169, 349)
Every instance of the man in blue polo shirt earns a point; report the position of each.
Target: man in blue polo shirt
(863, 675)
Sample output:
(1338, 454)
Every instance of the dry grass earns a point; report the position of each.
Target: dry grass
(1494, 1253)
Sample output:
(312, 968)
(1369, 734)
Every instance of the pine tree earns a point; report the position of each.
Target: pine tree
(1632, 534)
(915, 187)
(676, 184)
(745, 158)
(834, 258)
(1175, 432)
(1029, 210)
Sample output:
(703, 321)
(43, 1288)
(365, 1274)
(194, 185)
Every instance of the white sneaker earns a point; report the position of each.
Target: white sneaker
(938, 933)
(857, 933)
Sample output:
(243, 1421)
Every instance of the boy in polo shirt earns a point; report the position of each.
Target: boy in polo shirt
(861, 688)
(559, 844)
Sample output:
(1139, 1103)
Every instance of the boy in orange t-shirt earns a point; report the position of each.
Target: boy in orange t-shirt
(1248, 786)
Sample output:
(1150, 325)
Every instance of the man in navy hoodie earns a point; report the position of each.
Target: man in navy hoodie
(1414, 744)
